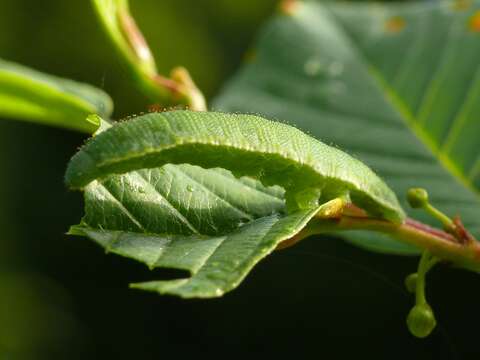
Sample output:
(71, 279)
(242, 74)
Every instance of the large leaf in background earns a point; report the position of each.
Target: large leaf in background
(398, 86)
(30, 95)
(184, 217)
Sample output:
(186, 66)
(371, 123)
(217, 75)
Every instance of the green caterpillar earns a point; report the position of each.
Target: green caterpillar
(272, 152)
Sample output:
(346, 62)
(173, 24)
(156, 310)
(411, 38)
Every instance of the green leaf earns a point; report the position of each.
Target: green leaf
(217, 263)
(207, 221)
(397, 85)
(274, 153)
(181, 216)
(29, 95)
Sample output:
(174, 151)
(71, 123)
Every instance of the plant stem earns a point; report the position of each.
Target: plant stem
(425, 264)
(177, 89)
(439, 243)
(444, 219)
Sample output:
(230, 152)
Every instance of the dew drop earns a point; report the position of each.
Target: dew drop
(335, 68)
(337, 87)
(190, 188)
(242, 222)
(313, 66)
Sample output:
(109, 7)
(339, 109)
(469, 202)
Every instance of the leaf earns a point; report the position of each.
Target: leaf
(181, 216)
(397, 85)
(274, 153)
(120, 26)
(217, 263)
(209, 222)
(29, 95)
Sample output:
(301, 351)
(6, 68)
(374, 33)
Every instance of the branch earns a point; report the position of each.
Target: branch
(436, 241)
(131, 45)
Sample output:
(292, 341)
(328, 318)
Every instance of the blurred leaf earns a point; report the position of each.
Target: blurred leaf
(396, 85)
(29, 95)
(116, 19)
(131, 45)
(35, 316)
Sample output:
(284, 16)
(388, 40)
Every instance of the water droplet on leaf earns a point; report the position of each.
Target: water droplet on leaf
(313, 66)
(335, 68)
(337, 87)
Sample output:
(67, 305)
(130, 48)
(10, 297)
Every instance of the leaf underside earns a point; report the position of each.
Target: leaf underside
(168, 217)
(30, 95)
(397, 86)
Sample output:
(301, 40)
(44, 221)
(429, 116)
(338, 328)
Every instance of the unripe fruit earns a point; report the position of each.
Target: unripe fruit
(417, 197)
(411, 282)
(421, 320)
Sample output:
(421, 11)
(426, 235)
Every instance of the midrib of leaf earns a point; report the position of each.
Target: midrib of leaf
(406, 115)
(433, 85)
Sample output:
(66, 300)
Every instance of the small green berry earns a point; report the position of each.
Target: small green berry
(411, 282)
(417, 197)
(421, 320)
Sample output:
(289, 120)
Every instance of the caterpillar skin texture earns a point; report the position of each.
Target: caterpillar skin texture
(272, 152)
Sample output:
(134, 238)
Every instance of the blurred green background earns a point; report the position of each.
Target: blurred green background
(63, 298)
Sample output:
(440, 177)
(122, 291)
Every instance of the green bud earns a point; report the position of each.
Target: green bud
(411, 282)
(421, 320)
(417, 197)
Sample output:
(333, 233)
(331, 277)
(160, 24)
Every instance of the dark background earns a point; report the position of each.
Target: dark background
(63, 298)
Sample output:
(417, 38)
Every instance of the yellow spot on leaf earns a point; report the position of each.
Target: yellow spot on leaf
(395, 24)
(460, 5)
(474, 22)
(289, 7)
